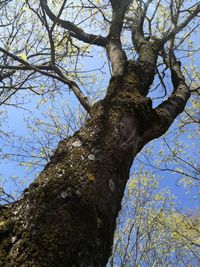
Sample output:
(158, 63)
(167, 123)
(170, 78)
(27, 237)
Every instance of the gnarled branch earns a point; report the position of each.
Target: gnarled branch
(114, 47)
(74, 30)
(168, 110)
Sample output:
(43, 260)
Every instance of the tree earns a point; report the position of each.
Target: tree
(151, 231)
(67, 216)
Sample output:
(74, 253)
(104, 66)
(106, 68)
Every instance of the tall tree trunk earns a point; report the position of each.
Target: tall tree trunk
(67, 216)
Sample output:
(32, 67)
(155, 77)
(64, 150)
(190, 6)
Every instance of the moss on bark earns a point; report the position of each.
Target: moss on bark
(68, 214)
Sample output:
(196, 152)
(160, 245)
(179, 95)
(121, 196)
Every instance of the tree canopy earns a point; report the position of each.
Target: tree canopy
(104, 77)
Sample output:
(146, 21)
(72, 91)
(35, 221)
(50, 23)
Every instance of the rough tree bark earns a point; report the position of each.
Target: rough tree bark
(67, 216)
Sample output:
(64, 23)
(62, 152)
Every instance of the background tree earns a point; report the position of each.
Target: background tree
(151, 231)
(68, 214)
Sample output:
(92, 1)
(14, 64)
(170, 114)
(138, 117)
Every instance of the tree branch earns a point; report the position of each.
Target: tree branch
(147, 49)
(61, 77)
(114, 48)
(181, 26)
(22, 67)
(6, 74)
(168, 110)
(75, 31)
(137, 22)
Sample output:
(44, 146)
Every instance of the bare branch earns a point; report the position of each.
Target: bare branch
(114, 48)
(61, 77)
(22, 67)
(120, 4)
(168, 110)
(147, 48)
(178, 28)
(75, 31)
(6, 75)
(77, 91)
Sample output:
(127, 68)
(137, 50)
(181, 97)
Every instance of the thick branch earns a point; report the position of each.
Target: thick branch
(75, 31)
(147, 49)
(114, 48)
(6, 75)
(137, 25)
(22, 67)
(168, 110)
(77, 91)
(120, 4)
(137, 33)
